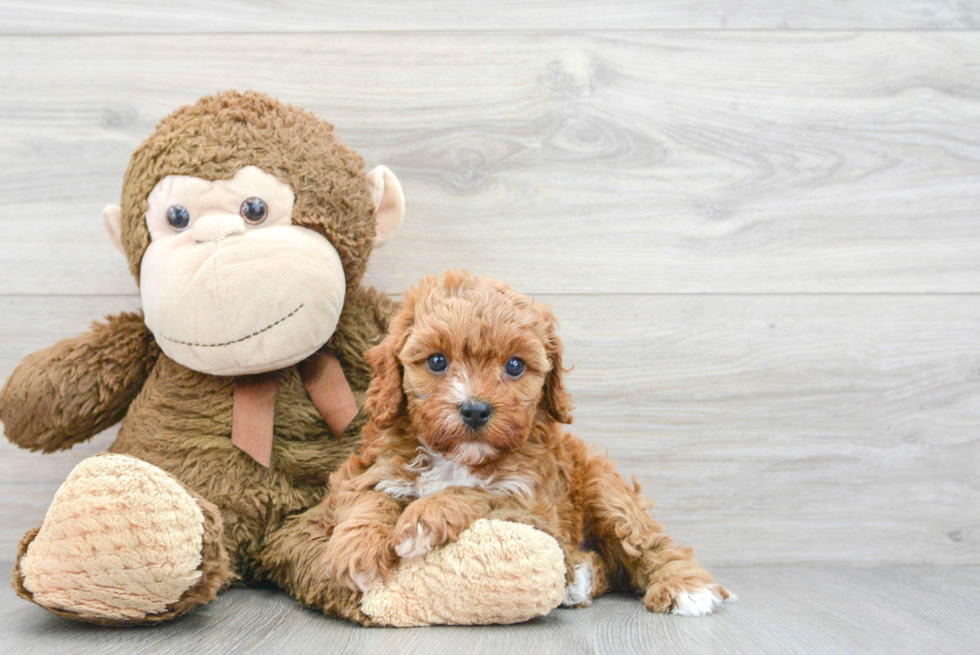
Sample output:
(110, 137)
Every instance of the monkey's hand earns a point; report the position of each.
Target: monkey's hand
(69, 392)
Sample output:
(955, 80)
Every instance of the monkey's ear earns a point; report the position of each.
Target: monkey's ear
(389, 203)
(112, 218)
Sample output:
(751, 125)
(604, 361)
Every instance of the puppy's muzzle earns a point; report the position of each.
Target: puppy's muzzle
(475, 413)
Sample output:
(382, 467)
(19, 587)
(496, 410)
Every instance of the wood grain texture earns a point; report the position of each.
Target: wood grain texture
(182, 16)
(606, 162)
(799, 610)
(770, 429)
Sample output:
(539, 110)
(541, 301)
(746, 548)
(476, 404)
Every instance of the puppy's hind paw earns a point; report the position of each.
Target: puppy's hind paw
(579, 593)
(700, 602)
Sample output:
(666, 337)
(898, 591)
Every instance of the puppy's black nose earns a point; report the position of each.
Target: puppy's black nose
(475, 413)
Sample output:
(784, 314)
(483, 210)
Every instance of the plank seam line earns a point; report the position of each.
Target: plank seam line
(503, 31)
(616, 294)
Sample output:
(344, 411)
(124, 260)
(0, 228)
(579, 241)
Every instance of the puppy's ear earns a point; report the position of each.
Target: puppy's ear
(556, 401)
(385, 397)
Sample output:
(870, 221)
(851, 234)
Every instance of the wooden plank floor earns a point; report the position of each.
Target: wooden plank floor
(182, 16)
(573, 163)
(840, 610)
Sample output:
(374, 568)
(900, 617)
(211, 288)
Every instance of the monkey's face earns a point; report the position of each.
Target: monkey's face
(229, 285)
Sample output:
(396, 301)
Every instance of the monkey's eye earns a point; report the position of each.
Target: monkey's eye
(515, 367)
(178, 217)
(254, 210)
(437, 363)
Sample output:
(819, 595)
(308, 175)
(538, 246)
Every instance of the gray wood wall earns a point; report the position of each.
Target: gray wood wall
(759, 222)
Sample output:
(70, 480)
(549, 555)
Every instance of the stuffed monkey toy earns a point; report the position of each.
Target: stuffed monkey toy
(248, 226)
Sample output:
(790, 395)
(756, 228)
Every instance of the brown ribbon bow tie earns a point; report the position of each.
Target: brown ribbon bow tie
(254, 405)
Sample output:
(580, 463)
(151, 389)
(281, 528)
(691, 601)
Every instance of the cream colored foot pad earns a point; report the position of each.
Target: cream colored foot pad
(497, 572)
(122, 539)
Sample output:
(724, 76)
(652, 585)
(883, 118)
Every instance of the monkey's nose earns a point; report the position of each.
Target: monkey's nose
(475, 413)
(218, 226)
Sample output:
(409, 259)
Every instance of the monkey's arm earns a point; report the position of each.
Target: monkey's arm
(73, 390)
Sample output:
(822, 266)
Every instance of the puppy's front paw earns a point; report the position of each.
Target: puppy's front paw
(414, 540)
(358, 559)
(701, 601)
(366, 569)
(430, 522)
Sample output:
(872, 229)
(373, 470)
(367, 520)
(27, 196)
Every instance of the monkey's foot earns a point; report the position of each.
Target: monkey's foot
(123, 542)
(497, 572)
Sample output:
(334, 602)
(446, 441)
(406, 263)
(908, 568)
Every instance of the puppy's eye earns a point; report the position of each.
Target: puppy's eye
(178, 217)
(254, 210)
(515, 367)
(437, 363)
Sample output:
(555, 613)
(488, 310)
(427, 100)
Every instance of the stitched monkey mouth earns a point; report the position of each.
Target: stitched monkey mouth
(234, 341)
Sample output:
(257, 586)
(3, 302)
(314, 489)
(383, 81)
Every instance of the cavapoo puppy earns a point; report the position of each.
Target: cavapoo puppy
(467, 412)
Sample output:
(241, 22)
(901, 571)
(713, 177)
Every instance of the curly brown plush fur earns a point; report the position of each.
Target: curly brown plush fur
(180, 420)
(219, 135)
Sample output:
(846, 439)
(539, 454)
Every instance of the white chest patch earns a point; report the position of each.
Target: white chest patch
(436, 473)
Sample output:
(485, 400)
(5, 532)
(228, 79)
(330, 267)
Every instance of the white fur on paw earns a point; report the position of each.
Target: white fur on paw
(699, 603)
(581, 588)
(415, 545)
(364, 581)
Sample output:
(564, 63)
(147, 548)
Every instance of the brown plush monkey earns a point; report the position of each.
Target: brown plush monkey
(248, 227)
